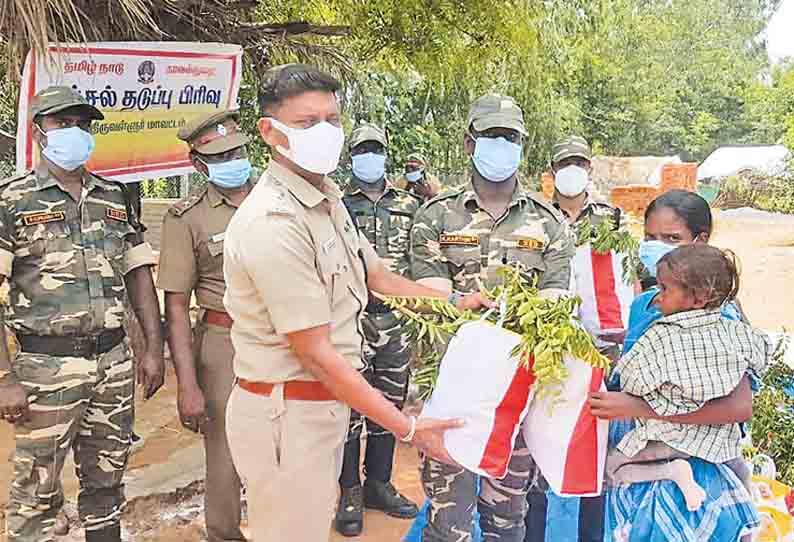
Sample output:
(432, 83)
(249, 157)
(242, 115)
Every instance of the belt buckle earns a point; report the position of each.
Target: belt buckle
(82, 346)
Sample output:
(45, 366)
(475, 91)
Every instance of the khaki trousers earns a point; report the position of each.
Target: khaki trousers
(222, 486)
(289, 455)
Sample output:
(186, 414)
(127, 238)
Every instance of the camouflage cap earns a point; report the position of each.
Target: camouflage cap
(496, 111)
(570, 146)
(368, 132)
(417, 158)
(214, 133)
(53, 100)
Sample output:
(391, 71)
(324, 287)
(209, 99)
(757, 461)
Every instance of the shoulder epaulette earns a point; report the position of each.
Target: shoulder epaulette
(447, 194)
(542, 202)
(181, 207)
(16, 177)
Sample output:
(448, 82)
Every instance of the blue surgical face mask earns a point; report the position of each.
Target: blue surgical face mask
(651, 252)
(369, 167)
(496, 159)
(231, 174)
(414, 176)
(68, 148)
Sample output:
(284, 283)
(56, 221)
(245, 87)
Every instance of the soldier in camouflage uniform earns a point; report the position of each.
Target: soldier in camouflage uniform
(459, 241)
(571, 166)
(417, 179)
(384, 216)
(72, 250)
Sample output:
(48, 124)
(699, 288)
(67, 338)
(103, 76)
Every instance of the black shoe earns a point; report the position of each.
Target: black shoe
(350, 514)
(108, 534)
(385, 497)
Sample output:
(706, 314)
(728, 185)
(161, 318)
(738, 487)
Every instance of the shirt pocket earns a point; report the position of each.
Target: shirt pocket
(334, 270)
(215, 248)
(463, 263)
(45, 241)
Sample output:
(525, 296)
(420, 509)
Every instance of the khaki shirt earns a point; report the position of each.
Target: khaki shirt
(454, 238)
(191, 250)
(66, 259)
(293, 261)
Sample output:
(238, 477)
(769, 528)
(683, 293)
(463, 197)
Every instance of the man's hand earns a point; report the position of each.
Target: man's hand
(616, 405)
(192, 408)
(474, 302)
(13, 402)
(151, 373)
(429, 438)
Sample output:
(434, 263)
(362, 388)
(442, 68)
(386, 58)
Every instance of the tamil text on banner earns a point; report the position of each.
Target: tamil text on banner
(146, 90)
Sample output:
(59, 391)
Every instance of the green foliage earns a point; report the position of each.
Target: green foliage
(606, 238)
(546, 327)
(772, 427)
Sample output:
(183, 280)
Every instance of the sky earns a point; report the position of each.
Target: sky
(780, 33)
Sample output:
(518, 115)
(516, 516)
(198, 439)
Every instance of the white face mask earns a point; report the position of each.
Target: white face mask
(571, 181)
(316, 149)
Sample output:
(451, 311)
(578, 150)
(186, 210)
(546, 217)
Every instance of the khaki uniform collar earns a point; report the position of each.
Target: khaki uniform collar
(217, 195)
(302, 189)
(470, 196)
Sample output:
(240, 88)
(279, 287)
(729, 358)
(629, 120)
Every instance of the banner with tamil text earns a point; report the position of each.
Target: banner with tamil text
(146, 90)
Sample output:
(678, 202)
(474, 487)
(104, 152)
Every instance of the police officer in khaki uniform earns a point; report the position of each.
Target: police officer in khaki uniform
(72, 250)
(191, 261)
(298, 275)
(459, 241)
(383, 215)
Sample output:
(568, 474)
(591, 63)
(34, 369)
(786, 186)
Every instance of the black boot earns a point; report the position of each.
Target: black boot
(108, 534)
(350, 514)
(385, 497)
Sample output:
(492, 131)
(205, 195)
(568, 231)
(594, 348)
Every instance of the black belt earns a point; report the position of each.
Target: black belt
(80, 347)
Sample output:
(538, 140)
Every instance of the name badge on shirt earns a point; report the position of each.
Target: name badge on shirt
(329, 245)
(529, 243)
(43, 218)
(446, 239)
(116, 214)
(218, 237)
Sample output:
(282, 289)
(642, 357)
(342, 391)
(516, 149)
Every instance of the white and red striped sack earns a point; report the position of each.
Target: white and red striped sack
(606, 297)
(569, 444)
(481, 383)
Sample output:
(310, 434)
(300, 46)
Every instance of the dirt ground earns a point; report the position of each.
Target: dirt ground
(164, 476)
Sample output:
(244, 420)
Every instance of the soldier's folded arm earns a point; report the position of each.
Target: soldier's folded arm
(286, 278)
(139, 260)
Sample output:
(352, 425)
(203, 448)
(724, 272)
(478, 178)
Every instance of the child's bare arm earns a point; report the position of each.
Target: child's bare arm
(733, 408)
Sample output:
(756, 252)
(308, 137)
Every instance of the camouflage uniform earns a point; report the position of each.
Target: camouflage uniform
(454, 238)
(386, 223)
(65, 261)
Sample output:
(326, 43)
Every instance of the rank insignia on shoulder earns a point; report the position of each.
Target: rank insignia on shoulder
(116, 214)
(446, 239)
(35, 219)
(530, 244)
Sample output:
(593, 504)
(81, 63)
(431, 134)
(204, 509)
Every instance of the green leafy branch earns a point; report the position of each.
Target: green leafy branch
(604, 238)
(547, 328)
